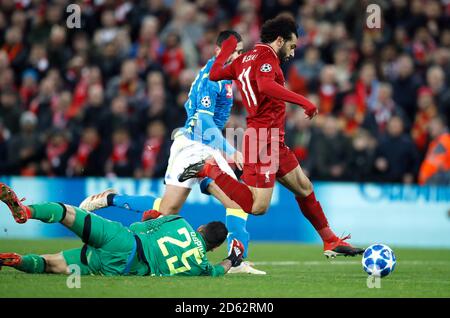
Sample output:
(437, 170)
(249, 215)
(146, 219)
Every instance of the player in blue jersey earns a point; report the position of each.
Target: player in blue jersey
(208, 109)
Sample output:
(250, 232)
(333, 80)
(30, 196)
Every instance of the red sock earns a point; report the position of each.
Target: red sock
(28, 211)
(210, 169)
(236, 191)
(312, 210)
(150, 214)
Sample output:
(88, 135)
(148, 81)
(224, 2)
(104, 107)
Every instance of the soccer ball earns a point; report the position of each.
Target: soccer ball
(378, 260)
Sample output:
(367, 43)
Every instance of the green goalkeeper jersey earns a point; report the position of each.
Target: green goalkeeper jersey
(172, 247)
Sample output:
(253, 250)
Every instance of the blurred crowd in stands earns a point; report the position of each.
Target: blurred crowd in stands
(103, 99)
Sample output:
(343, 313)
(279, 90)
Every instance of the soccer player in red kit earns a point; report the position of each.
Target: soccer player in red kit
(260, 80)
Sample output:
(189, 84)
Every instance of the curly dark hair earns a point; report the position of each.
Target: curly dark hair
(282, 25)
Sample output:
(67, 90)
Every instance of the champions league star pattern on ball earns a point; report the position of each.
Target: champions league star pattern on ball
(379, 260)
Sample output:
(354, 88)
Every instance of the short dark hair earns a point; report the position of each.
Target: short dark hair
(282, 25)
(225, 35)
(214, 234)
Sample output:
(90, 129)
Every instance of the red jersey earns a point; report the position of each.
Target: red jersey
(263, 111)
(261, 83)
(260, 80)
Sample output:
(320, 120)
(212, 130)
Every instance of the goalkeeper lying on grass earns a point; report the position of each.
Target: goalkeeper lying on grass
(164, 246)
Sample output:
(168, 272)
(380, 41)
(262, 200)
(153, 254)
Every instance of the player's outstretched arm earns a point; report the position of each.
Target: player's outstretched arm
(271, 88)
(218, 72)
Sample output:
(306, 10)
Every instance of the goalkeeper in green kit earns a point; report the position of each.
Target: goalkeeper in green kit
(164, 246)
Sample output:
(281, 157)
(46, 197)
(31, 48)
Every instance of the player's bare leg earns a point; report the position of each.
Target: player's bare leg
(52, 263)
(263, 195)
(56, 264)
(299, 184)
(173, 199)
(251, 200)
(261, 200)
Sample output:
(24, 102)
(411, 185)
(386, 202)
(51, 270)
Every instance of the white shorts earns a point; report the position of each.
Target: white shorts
(185, 152)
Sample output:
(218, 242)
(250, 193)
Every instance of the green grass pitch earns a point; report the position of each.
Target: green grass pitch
(294, 270)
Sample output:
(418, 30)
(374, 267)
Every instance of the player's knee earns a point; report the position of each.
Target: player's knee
(69, 214)
(55, 263)
(170, 210)
(169, 207)
(259, 209)
(306, 188)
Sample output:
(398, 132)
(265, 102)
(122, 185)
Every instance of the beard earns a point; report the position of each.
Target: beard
(283, 54)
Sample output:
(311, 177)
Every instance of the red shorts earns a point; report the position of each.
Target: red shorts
(262, 165)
